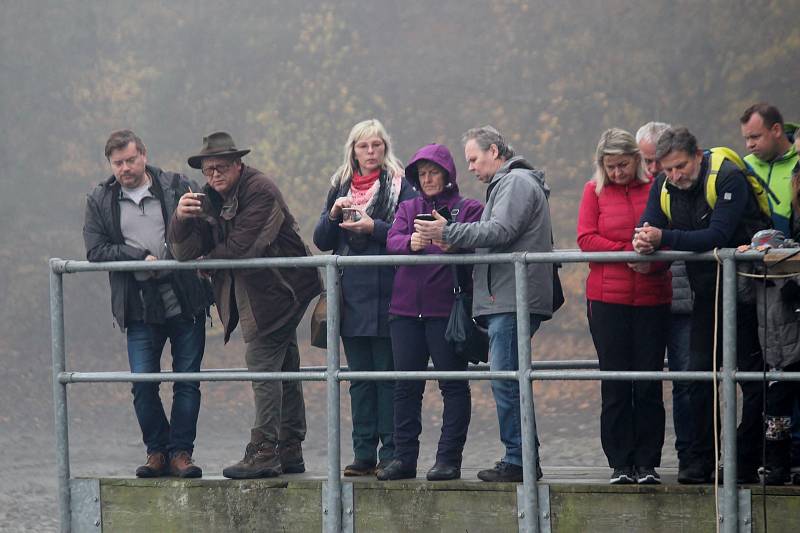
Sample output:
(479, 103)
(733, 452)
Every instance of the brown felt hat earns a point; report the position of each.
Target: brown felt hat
(217, 144)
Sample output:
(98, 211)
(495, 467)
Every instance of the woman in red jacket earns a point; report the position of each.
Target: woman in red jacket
(628, 308)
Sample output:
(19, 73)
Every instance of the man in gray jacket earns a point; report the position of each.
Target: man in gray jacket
(516, 219)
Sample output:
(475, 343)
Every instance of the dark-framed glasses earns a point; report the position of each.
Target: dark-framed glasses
(222, 168)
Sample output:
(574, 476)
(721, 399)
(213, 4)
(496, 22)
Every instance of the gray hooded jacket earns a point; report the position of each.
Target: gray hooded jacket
(780, 338)
(516, 219)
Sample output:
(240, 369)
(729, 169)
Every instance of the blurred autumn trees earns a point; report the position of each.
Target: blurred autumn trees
(288, 79)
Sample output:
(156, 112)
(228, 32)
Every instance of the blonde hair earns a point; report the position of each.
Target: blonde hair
(366, 128)
(616, 141)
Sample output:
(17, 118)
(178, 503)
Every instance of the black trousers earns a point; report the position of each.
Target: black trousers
(632, 413)
(414, 340)
(781, 398)
(748, 355)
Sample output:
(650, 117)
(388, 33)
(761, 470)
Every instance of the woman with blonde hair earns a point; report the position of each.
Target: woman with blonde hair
(359, 210)
(628, 308)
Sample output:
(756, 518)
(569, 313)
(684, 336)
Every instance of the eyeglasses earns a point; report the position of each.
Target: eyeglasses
(222, 168)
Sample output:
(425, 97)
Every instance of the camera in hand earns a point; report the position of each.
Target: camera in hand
(350, 214)
(425, 216)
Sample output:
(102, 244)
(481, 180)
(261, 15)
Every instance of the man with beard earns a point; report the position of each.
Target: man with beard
(126, 220)
(679, 216)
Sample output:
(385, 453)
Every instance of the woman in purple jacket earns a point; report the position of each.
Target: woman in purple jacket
(422, 297)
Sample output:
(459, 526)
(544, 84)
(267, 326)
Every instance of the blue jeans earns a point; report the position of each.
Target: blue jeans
(678, 360)
(187, 340)
(504, 356)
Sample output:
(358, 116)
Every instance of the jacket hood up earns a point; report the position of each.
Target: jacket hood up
(436, 153)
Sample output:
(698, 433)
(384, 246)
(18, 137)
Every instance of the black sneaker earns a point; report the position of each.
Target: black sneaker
(502, 472)
(776, 476)
(623, 476)
(647, 476)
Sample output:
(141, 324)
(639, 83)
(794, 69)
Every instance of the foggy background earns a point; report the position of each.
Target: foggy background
(288, 80)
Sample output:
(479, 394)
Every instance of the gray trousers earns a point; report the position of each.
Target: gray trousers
(280, 409)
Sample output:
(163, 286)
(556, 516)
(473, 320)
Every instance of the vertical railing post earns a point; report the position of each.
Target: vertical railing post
(530, 503)
(60, 394)
(730, 510)
(332, 510)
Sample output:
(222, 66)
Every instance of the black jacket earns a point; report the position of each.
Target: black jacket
(104, 242)
(696, 227)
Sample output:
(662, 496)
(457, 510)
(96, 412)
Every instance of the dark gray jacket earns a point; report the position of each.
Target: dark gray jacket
(516, 219)
(104, 242)
(682, 295)
(780, 339)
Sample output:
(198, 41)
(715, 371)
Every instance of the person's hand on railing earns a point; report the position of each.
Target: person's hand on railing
(646, 239)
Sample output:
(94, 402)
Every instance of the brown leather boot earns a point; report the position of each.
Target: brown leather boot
(156, 466)
(181, 465)
(291, 456)
(260, 460)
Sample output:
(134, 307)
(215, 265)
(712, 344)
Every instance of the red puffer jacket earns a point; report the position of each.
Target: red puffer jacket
(605, 224)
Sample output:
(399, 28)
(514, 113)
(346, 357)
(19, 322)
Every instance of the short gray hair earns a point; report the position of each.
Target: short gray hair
(676, 140)
(485, 137)
(651, 131)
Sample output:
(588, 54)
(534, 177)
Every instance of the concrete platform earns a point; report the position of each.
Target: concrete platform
(574, 500)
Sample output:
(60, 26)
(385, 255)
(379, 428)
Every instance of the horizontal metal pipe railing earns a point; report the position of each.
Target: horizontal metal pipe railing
(333, 373)
(556, 256)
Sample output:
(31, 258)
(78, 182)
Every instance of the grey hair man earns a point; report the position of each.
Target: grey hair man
(516, 219)
(693, 224)
(647, 137)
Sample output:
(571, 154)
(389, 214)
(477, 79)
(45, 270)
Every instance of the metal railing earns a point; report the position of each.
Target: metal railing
(528, 512)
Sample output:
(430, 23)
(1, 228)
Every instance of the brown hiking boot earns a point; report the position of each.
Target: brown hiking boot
(181, 465)
(291, 456)
(260, 460)
(156, 466)
(360, 467)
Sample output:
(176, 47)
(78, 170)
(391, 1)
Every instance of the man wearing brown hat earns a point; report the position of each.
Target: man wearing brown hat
(241, 214)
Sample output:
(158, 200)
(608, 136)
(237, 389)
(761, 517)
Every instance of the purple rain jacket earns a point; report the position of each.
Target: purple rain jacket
(426, 290)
